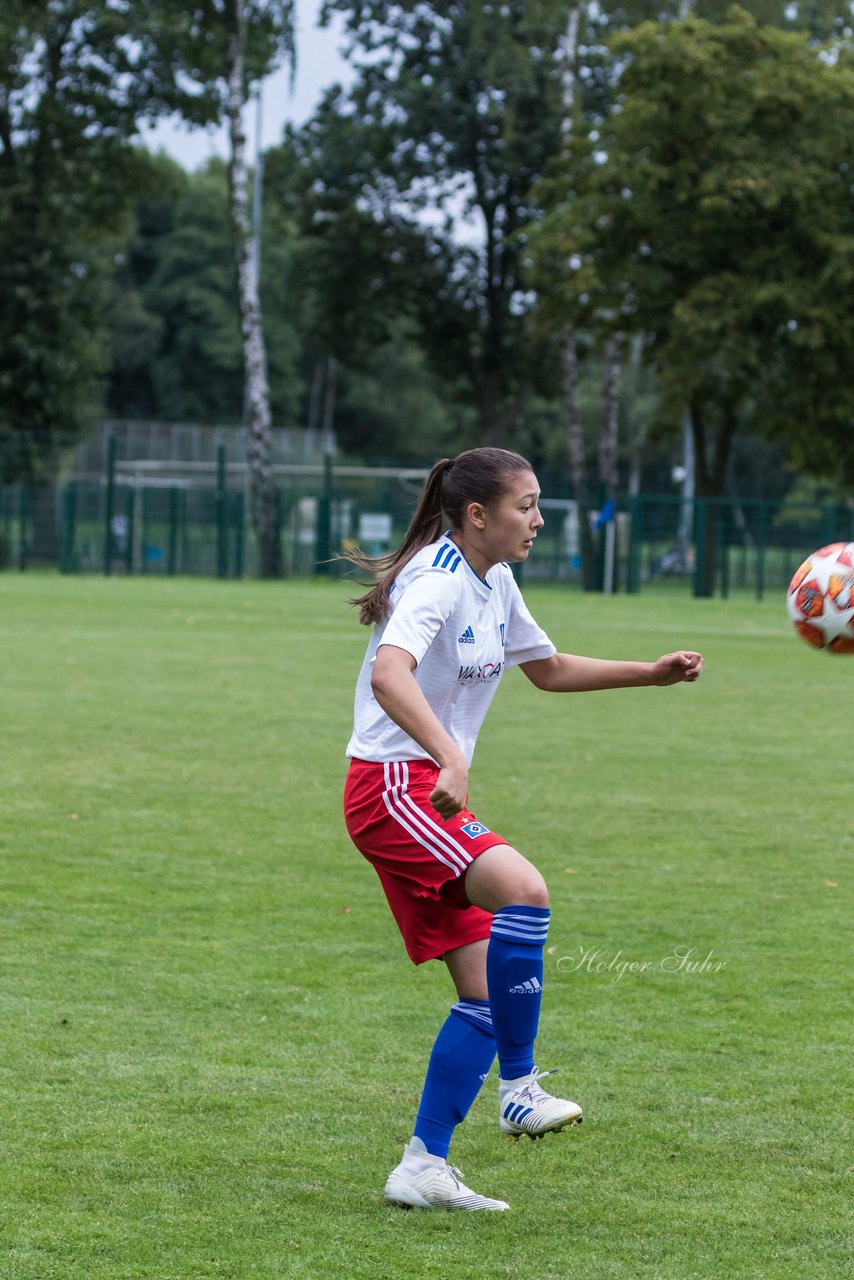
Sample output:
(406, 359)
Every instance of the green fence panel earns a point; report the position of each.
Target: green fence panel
(192, 525)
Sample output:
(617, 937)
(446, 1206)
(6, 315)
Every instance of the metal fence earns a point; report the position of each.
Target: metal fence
(732, 543)
(146, 517)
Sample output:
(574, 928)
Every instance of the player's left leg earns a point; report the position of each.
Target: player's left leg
(505, 883)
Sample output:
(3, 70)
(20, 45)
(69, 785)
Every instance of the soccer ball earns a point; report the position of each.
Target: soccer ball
(821, 598)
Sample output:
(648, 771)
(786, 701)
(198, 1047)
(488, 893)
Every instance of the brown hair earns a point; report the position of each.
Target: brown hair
(478, 475)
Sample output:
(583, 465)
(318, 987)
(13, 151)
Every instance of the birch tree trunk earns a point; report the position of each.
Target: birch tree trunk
(577, 460)
(610, 416)
(329, 399)
(257, 420)
(314, 404)
(637, 423)
(570, 68)
(569, 351)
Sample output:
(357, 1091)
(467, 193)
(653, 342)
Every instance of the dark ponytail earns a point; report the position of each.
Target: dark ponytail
(478, 475)
(424, 528)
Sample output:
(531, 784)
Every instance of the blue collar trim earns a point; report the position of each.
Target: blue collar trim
(466, 563)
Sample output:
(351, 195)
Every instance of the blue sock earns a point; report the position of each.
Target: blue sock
(514, 976)
(462, 1055)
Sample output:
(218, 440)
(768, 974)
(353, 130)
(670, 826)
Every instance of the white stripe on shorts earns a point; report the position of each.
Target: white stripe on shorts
(418, 824)
(421, 827)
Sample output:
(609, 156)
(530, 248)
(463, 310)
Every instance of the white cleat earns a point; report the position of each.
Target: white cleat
(430, 1183)
(525, 1108)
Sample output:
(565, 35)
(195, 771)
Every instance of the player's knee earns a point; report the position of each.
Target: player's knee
(501, 878)
(533, 891)
(526, 887)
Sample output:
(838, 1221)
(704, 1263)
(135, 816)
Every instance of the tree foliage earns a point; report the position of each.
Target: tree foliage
(713, 213)
(68, 101)
(76, 78)
(415, 193)
(176, 349)
(453, 114)
(417, 184)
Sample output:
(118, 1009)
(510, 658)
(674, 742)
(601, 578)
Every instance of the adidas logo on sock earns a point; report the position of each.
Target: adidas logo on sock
(531, 987)
(467, 637)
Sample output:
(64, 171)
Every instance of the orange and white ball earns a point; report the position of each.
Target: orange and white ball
(821, 598)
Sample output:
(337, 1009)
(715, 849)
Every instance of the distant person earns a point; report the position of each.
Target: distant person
(448, 619)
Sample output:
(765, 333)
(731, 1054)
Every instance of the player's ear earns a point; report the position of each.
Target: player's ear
(477, 514)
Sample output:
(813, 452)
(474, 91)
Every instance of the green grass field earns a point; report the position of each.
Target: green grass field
(213, 1044)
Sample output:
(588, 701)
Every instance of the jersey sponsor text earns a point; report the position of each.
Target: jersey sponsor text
(479, 672)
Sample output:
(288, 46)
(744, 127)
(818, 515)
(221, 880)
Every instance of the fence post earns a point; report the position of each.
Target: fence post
(144, 521)
(109, 503)
(172, 545)
(221, 515)
(23, 520)
(280, 521)
(635, 531)
(323, 536)
(762, 534)
(184, 556)
(238, 535)
(22, 527)
(130, 532)
(700, 516)
(828, 524)
(67, 523)
(723, 534)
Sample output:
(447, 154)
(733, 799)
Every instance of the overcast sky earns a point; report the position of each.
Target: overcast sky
(318, 65)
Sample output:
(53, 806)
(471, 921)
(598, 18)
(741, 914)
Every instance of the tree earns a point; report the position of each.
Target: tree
(273, 21)
(174, 317)
(69, 98)
(176, 342)
(77, 77)
(394, 386)
(453, 114)
(713, 214)
(220, 48)
(591, 76)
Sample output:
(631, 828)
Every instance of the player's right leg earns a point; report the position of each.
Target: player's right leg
(459, 1063)
(505, 883)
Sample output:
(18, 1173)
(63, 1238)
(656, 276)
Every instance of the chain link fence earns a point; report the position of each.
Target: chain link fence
(148, 517)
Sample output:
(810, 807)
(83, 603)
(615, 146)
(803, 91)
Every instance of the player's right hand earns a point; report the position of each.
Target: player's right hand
(451, 790)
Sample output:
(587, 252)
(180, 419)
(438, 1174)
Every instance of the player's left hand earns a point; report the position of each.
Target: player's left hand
(674, 668)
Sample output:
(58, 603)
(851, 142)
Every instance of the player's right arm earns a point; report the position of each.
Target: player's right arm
(395, 688)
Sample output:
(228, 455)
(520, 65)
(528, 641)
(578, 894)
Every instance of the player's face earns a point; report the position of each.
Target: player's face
(512, 523)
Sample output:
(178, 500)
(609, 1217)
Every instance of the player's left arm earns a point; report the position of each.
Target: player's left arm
(570, 673)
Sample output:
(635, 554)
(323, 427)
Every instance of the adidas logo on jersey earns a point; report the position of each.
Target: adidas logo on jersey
(531, 987)
(467, 637)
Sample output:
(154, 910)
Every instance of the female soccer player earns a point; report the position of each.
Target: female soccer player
(448, 619)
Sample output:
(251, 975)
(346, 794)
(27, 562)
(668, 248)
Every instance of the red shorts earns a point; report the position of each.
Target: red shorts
(419, 857)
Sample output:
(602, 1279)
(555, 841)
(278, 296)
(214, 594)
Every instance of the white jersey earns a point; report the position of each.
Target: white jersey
(462, 631)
